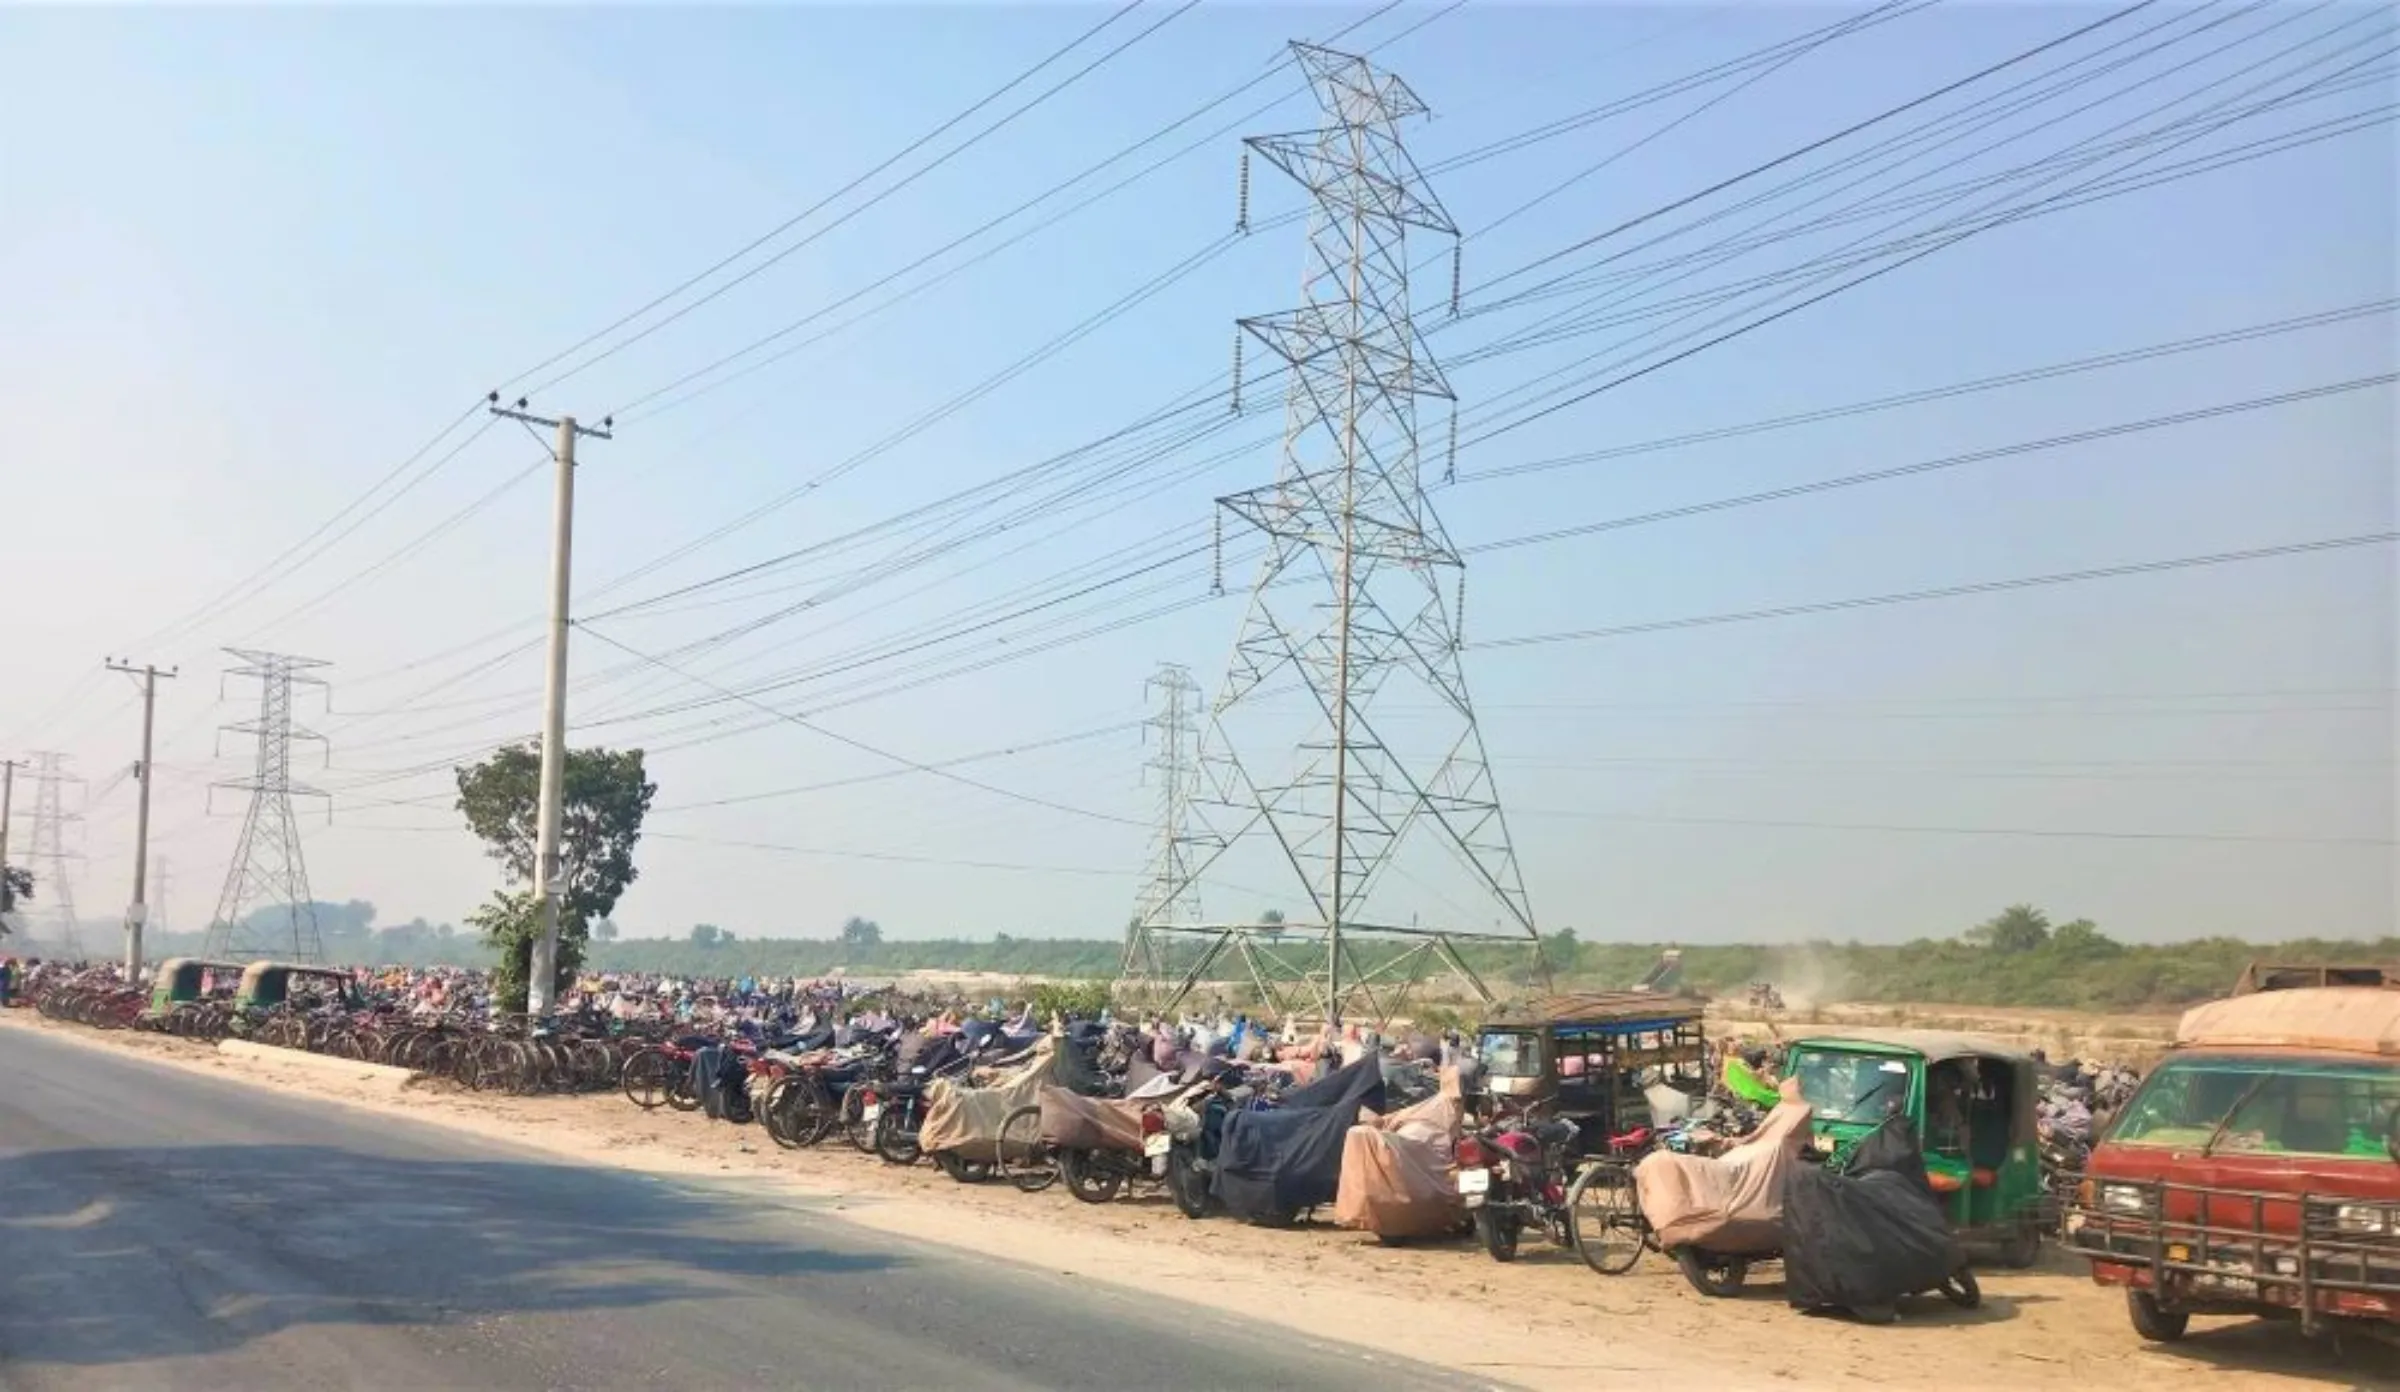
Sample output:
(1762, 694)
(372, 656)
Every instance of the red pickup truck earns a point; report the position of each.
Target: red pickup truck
(2257, 1171)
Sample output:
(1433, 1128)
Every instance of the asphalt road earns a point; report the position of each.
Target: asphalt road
(161, 1229)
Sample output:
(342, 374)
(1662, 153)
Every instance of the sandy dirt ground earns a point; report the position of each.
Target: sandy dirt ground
(1545, 1321)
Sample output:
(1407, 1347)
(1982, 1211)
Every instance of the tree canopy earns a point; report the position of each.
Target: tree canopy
(861, 932)
(607, 794)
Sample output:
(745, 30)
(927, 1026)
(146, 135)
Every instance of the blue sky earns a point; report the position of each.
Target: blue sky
(252, 259)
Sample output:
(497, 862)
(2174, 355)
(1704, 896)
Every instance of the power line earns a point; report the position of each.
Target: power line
(2041, 833)
(1948, 591)
(822, 203)
(1927, 466)
(861, 745)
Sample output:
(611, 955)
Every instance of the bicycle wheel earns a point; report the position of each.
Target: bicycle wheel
(1024, 1161)
(1604, 1221)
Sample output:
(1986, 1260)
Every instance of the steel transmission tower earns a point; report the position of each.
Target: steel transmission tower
(1169, 893)
(267, 867)
(49, 857)
(1382, 816)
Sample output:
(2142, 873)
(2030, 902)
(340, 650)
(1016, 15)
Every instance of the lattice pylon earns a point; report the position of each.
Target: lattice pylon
(54, 889)
(268, 868)
(1306, 766)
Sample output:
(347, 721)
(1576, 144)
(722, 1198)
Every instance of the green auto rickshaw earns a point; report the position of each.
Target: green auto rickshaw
(1971, 1100)
(266, 985)
(186, 980)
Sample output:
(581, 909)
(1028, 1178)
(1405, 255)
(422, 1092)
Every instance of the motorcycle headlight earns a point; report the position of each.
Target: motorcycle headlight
(2123, 1198)
(2364, 1220)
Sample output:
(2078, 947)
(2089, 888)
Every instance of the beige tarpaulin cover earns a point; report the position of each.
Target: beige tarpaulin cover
(1400, 1172)
(1071, 1121)
(1732, 1203)
(2347, 1018)
(963, 1118)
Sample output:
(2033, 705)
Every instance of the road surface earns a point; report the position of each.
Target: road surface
(162, 1229)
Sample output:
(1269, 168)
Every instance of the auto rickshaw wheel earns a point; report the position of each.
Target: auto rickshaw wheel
(2022, 1249)
(1712, 1275)
(2154, 1321)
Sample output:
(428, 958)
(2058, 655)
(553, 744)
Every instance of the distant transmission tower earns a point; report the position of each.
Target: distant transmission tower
(1387, 819)
(50, 855)
(1169, 893)
(267, 867)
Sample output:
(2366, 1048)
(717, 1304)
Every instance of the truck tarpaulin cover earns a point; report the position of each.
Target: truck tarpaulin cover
(963, 1118)
(1400, 1172)
(1730, 1203)
(1273, 1164)
(1867, 1235)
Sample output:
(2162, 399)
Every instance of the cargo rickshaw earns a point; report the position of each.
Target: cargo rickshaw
(1972, 1101)
(1587, 1058)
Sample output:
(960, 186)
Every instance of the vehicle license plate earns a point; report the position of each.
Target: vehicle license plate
(870, 1111)
(1474, 1182)
(1156, 1147)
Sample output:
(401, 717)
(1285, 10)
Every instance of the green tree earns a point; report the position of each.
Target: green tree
(605, 930)
(861, 932)
(2082, 938)
(707, 935)
(16, 882)
(606, 796)
(2019, 928)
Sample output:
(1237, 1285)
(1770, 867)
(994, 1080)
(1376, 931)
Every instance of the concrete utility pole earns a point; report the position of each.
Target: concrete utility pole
(8, 789)
(139, 910)
(542, 987)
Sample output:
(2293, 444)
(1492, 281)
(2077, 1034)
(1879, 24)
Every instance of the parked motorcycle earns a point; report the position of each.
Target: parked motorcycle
(1514, 1175)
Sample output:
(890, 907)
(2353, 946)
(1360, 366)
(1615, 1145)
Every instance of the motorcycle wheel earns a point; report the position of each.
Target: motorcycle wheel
(777, 1114)
(896, 1145)
(1186, 1184)
(1717, 1276)
(1499, 1229)
(1962, 1289)
(856, 1129)
(1086, 1180)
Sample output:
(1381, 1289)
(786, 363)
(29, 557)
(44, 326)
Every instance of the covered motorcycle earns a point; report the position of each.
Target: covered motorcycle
(1859, 1236)
(1273, 1164)
(1399, 1176)
(1717, 1214)
(963, 1119)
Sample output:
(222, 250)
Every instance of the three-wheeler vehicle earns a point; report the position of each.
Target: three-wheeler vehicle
(188, 980)
(2257, 1170)
(266, 985)
(1972, 1101)
(1586, 1058)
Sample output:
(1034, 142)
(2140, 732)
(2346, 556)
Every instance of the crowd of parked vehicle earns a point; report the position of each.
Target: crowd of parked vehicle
(1873, 1164)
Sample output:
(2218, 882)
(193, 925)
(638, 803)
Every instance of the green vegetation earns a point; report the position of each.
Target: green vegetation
(606, 797)
(2017, 958)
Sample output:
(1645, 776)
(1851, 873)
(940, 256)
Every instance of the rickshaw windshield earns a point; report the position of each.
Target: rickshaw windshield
(1861, 1088)
(1507, 1055)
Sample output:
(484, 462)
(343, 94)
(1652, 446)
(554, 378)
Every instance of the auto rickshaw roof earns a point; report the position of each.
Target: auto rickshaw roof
(259, 969)
(174, 964)
(1597, 1008)
(2349, 1019)
(1937, 1046)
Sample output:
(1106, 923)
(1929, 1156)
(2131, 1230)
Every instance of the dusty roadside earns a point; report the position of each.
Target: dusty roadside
(1544, 1322)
